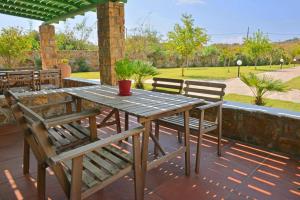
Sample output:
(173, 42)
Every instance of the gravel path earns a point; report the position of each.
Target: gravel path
(236, 86)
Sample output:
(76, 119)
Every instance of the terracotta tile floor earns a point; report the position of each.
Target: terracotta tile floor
(243, 172)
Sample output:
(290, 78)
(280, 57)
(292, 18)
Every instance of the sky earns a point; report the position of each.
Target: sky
(226, 21)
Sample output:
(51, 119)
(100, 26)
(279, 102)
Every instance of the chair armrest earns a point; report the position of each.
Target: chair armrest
(50, 104)
(65, 119)
(80, 151)
(210, 105)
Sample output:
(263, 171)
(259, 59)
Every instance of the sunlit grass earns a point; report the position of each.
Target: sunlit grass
(213, 73)
(269, 102)
(294, 83)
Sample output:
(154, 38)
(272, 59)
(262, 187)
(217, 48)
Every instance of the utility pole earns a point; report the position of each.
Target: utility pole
(248, 30)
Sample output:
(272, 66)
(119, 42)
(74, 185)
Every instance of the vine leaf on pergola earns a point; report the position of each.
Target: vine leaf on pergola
(49, 11)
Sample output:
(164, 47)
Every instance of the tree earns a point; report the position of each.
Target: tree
(211, 53)
(274, 55)
(186, 39)
(143, 44)
(75, 38)
(256, 46)
(13, 46)
(261, 85)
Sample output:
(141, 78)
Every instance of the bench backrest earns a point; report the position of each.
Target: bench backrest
(209, 91)
(168, 85)
(20, 78)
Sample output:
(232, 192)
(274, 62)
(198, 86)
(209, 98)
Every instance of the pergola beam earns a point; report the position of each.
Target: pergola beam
(50, 11)
(26, 9)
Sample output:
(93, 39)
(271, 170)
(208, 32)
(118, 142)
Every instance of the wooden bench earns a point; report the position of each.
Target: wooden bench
(19, 81)
(213, 94)
(85, 169)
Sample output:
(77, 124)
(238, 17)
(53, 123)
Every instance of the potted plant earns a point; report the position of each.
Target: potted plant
(125, 69)
(65, 68)
(143, 70)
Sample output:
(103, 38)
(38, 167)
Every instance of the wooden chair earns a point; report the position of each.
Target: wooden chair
(164, 85)
(48, 79)
(63, 137)
(20, 81)
(213, 94)
(83, 170)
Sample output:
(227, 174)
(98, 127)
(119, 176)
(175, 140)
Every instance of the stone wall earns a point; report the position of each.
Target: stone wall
(277, 131)
(91, 57)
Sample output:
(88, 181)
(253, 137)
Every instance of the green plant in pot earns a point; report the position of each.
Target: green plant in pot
(142, 70)
(125, 69)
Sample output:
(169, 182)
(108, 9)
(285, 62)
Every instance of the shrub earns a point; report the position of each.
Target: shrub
(80, 65)
(143, 70)
(261, 85)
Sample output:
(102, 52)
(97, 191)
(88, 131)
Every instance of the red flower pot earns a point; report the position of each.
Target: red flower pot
(124, 87)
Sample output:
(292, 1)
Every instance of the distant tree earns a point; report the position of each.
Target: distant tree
(261, 85)
(186, 39)
(257, 46)
(13, 46)
(211, 53)
(274, 54)
(75, 38)
(144, 44)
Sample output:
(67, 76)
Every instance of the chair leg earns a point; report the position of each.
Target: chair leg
(187, 143)
(219, 130)
(156, 132)
(219, 139)
(198, 153)
(26, 158)
(199, 143)
(126, 123)
(118, 122)
(138, 189)
(179, 135)
(41, 181)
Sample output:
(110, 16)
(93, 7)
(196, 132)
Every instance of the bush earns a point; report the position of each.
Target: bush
(143, 70)
(80, 65)
(37, 62)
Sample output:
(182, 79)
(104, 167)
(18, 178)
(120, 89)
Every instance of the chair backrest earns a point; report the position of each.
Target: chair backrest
(209, 91)
(38, 139)
(167, 85)
(52, 76)
(20, 78)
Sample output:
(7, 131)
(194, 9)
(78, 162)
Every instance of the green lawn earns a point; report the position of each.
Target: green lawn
(213, 73)
(269, 102)
(294, 83)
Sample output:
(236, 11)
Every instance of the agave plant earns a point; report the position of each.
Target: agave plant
(261, 85)
(143, 70)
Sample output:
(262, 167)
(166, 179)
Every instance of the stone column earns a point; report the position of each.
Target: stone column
(48, 46)
(111, 39)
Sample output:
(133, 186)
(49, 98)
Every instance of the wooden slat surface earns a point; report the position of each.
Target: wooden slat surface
(142, 103)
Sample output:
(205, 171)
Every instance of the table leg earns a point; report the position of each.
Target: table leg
(187, 143)
(145, 144)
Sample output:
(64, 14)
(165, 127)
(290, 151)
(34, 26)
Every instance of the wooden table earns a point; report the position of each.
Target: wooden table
(147, 106)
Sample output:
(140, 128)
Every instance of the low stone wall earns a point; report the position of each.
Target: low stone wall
(275, 129)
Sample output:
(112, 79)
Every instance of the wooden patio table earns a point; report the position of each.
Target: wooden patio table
(147, 106)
